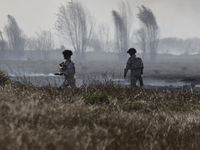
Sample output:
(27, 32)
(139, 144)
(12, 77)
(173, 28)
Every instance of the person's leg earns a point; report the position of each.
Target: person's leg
(141, 81)
(65, 84)
(133, 81)
(72, 83)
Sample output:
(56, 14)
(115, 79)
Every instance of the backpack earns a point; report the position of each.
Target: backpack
(137, 63)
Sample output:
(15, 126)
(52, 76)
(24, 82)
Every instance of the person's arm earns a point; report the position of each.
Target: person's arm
(58, 73)
(128, 66)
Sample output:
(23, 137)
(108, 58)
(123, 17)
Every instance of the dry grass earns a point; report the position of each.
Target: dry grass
(34, 118)
(4, 79)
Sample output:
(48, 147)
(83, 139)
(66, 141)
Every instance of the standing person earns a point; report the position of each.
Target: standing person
(135, 64)
(67, 69)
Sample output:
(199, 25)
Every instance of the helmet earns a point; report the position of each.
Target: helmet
(132, 50)
(67, 53)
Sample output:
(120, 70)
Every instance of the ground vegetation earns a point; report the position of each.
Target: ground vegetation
(118, 118)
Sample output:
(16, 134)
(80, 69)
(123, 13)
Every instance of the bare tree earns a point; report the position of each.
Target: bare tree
(188, 48)
(142, 40)
(76, 26)
(100, 40)
(169, 44)
(123, 23)
(43, 43)
(180, 46)
(148, 19)
(33, 49)
(95, 44)
(32, 44)
(104, 37)
(1, 35)
(3, 47)
(16, 37)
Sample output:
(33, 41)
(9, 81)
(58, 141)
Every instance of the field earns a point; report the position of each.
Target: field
(100, 115)
(167, 68)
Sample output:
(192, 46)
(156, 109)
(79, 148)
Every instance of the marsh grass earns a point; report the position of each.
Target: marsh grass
(43, 117)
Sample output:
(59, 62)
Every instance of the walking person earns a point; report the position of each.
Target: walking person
(136, 66)
(67, 69)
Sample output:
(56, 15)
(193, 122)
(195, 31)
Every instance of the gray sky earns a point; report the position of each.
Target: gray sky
(175, 18)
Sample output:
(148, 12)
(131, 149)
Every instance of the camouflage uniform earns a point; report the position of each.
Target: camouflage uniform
(135, 72)
(68, 71)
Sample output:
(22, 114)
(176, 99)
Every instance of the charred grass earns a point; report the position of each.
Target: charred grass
(96, 117)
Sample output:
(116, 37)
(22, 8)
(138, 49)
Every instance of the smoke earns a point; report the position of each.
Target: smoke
(175, 18)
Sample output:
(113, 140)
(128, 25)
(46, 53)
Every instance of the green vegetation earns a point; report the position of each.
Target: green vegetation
(34, 117)
(97, 98)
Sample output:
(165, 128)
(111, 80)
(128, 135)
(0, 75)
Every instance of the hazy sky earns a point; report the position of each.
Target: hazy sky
(175, 18)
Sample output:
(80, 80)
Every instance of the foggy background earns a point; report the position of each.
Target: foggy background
(177, 21)
(165, 33)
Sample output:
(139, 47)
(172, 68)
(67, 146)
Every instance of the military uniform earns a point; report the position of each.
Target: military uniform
(136, 68)
(68, 71)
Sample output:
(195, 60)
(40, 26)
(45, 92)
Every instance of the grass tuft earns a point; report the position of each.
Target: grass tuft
(97, 98)
(4, 79)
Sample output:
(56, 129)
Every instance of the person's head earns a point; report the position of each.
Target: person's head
(132, 51)
(67, 54)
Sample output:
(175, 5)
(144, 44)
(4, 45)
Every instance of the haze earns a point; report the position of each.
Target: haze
(175, 18)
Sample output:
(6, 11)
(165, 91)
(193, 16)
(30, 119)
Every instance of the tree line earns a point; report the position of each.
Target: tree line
(77, 28)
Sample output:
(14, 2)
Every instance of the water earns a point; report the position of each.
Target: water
(44, 79)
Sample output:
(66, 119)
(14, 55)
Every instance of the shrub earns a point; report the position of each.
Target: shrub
(97, 98)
